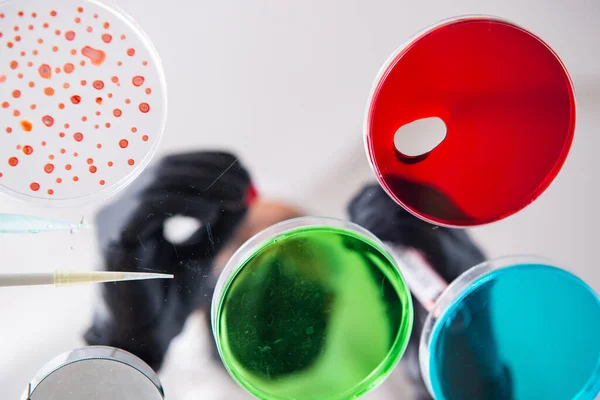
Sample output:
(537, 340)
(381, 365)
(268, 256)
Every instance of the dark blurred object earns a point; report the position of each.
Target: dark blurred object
(143, 317)
(450, 252)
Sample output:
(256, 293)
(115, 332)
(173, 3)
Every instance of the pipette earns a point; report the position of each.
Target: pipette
(73, 278)
(17, 223)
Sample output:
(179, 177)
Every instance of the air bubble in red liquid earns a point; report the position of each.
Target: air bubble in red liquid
(509, 110)
(78, 136)
(70, 35)
(123, 143)
(138, 80)
(47, 120)
(34, 186)
(96, 56)
(45, 71)
(144, 107)
(13, 161)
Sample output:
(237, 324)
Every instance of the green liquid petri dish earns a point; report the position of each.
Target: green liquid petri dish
(311, 308)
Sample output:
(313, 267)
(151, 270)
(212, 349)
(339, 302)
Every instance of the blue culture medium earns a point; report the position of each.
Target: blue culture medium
(528, 331)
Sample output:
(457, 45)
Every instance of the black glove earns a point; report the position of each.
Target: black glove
(450, 252)
(142, 317)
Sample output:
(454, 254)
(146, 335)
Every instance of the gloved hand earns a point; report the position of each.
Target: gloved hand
(142, 317)
(450, 252)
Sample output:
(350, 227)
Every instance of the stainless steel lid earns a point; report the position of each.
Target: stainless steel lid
(95, 373)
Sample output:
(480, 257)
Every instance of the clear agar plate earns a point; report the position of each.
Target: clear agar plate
(82, 100)
(513, 328)
(506, 108)
(311, 308)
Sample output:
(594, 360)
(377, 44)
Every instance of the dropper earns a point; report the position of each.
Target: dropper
(18, 223)
(73, 278)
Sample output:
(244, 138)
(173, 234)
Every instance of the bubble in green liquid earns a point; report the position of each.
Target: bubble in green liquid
(315, 313)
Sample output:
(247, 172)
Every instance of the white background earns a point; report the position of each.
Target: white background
(284, 84)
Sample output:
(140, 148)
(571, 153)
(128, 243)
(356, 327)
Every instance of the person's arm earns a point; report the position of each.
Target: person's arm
(143, 317)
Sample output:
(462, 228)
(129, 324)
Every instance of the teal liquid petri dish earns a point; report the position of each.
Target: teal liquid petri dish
(514, 329)
(311, 308)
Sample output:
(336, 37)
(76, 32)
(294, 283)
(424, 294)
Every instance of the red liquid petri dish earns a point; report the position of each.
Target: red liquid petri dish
(508, 106)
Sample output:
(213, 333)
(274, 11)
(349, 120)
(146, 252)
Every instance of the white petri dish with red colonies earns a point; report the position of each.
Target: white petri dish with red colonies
(82, 101)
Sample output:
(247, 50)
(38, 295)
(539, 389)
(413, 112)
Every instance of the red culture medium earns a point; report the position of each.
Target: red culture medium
(508, 105)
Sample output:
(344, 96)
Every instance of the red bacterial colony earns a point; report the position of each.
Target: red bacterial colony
(508, 107)
(39, 73)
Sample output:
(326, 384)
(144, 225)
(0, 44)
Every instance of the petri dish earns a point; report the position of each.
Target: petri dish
(505, 103)
(311, 308)
(513, 328)
(82, 100)
(95, 372)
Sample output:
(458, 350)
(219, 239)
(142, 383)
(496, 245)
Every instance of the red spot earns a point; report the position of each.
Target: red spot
(48, 120)
(98, 100)
(77, 20)
(96, 56)
(138, 80)
(90, 161)
(62, 134)
(45, 71)
(145, 63)
(55, 48)
(115, 79)
(8, 130)
(75, 154)
(16, 113)
(145, 138)
(70, 35)
(29, 63)
(49, 168)
(93, 169)
(20, 14)
(83, 82)
(84, 118)
(75, 99)
(117, 113)
(110, 95)
(119, 63)
(99, 146)
(16, 93)
(13, 161)
(20, 76)
(134, 129)
(130, 52)
(16, 28)
(99, 85)
(106, 38)
(33, 15)
(58, 180)
(43, 143)
(26, 125)
(131, 161)
(67, 126)
(107, 125)
(127, 101)
(61, 106)
(123, 143)
(78, 136)
(106, 25)
(110, 164)
(33, 106)
(101, 182)
(17, 38)
(89, 29)
(50, 192)
(68, 67)
(2, 78)
(144, 107)
(5, 104)
(14, 65)
(53, 13)
(68, 167)
(96, 16)
(18, 147)
(51, 157)
(28, 150)
(34, 186)
(123, 37)
(98, 113)
(63, 151)
(57, 32)
(75, 179)
(49, 91)
(23, 54)
(31, 84)
(80, 9)
(9, 45)
(73, 52)
(1, 177)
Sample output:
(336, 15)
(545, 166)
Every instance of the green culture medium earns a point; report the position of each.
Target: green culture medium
(313, 312)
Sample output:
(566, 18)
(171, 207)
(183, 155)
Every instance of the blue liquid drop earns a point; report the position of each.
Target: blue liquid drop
(519, 333)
